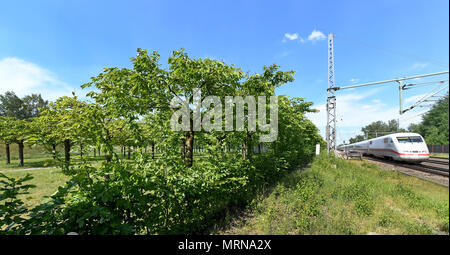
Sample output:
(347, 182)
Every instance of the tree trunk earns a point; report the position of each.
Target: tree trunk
(67, 150)
(129, 152)
(54, 151)
(153, 150)
(8, 154)
(249, 145)
(189, 148)
(95, 152)
(20, 153)
(81, 150)
(183, 149)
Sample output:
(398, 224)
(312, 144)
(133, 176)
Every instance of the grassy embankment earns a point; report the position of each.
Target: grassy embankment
(336, 196)
(438, 155)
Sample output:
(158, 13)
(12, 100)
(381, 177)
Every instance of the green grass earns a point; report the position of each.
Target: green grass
(36, 156)
(29, 152)
(439, 155)
(46, 180)
(336, 196)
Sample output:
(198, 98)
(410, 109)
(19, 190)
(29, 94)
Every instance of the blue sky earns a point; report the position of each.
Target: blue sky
(53, 47)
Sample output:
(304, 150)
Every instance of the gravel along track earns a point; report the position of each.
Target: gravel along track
(441, 161)
(434, 165)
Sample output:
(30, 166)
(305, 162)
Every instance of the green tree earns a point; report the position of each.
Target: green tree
(67, 121)
(11, 106)
(167, 194)
(7, 135)
(356, 139)
(15, 131)
(27, 107)
(376, 129)
(213, 77)
(18, 109)
(434, 125)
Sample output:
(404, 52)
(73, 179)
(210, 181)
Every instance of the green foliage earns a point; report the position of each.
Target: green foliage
(377, 128)
(7, 133)
(434, 125)
(12, 209)
(165, 194)
(21, 108)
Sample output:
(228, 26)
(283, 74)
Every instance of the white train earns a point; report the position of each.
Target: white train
(399, 146)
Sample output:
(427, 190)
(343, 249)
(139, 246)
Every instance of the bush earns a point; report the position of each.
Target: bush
(12, 209)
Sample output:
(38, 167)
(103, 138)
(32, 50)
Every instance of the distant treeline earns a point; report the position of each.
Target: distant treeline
(434, 125)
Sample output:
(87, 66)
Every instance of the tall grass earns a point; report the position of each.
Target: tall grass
(336, 196)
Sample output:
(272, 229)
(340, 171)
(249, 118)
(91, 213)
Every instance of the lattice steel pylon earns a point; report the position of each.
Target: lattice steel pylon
(331, 99)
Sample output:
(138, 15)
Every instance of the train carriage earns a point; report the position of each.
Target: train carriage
(399, 146)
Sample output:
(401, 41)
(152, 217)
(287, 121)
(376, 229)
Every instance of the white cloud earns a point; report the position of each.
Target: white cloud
(419, 65)
(291, 36)
(316, 35)
(24, 78)
(356, 110)
(354, 80)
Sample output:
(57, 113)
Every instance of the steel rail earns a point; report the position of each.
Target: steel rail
(426, 169)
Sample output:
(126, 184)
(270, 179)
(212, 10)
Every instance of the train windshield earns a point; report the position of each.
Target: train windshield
(409, 139)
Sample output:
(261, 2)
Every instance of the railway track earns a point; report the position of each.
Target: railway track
(436, 160)
(432, 169)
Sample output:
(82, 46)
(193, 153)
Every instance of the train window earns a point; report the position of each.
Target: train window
(370, 142)
(409, 139)
(385, 140)
(403, 139)
(415, 139)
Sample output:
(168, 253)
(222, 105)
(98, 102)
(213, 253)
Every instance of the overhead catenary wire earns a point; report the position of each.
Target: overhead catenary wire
(331, 99)
(423, 84)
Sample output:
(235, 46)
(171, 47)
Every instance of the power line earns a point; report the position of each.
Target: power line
(422, 84)
(415, 116)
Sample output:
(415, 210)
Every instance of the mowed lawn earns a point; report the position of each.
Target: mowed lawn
(336, 196)
(36, 156)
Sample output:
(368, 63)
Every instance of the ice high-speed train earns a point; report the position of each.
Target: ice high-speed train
(399, 146)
